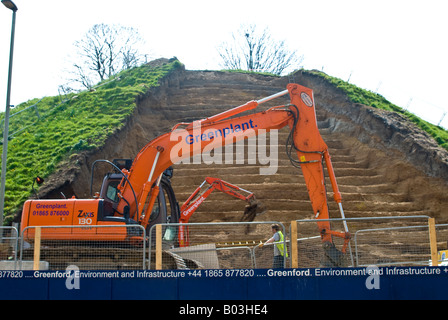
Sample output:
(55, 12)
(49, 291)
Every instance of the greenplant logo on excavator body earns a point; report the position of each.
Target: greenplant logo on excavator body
(216, 133)
(227, 145)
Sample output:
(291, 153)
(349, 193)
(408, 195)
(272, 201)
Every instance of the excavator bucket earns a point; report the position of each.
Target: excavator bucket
(253, 209)
(332, 257)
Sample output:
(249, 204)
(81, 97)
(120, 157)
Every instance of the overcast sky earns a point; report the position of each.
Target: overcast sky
(396, 48)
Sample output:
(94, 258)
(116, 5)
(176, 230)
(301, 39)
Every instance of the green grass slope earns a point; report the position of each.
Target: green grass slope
(80, 122)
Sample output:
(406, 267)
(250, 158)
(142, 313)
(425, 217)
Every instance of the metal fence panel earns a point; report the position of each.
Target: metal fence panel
(101, 249)
(399, 246)
(442, 244)
(9, 244)
(225, 245)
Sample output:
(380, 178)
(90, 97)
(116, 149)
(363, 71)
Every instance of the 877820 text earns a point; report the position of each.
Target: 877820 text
(218, 273)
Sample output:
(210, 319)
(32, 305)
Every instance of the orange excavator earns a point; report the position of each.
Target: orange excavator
(143, 194)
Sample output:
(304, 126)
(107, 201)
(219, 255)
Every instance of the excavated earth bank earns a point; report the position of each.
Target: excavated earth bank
(385, 165)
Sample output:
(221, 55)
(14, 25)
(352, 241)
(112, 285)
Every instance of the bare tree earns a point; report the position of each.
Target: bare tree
(104, 51)
(256, 51)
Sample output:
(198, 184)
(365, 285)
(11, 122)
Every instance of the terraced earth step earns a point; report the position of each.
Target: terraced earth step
(304, 204)
(240, 178)
(231, 170)
(302, 194)
(349, 192)
(339, 162)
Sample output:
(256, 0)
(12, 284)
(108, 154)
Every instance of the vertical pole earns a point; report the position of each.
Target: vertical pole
(294, 249)
(37, 237)
(158, 247)
(6, 130)
(433, 241)
(3, 171)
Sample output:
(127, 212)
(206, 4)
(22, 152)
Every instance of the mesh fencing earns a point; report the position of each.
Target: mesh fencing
(374, 241)
(398, 241)
(442, 244)
(99, 248)
(226, 245)
(9, 243)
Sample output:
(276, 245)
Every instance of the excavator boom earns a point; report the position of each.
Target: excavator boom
(204, 135)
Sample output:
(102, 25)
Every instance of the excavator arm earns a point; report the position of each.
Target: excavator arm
(305, 148)
(196, 198)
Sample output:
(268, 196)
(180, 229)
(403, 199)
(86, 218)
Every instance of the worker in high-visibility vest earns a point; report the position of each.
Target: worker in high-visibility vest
(279, 248)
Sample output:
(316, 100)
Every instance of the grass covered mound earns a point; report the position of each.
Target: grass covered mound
(42, 136)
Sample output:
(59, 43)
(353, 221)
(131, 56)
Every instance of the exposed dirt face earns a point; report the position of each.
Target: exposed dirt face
(380, 129)
(384, 164)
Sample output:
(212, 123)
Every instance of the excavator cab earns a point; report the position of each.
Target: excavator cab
(165, 209)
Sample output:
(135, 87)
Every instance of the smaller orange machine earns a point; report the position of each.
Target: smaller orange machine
(194, 201)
